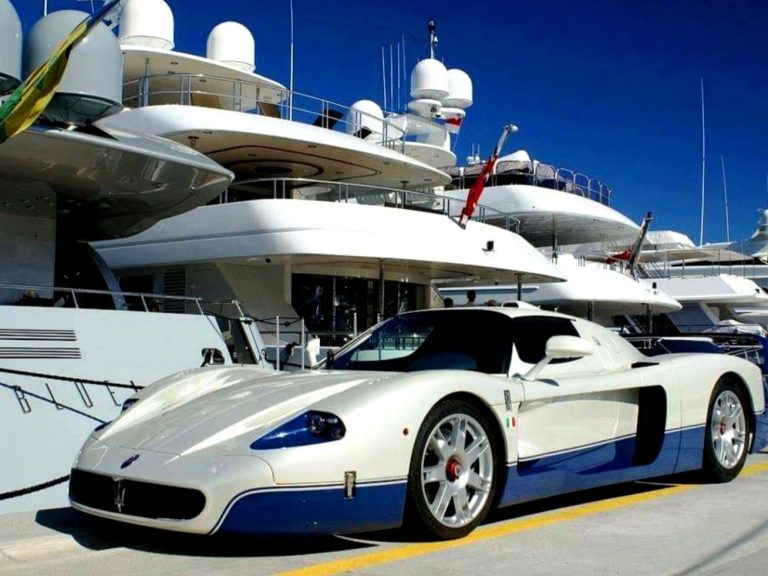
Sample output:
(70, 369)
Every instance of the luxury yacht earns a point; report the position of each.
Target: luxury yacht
(599, 291)
(73, 345)
(331, 216)
(570, 217)
(718, 284)
(217, 202)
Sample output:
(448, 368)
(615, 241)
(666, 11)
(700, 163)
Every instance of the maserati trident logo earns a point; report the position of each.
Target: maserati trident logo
(129, 461)
(119, 493)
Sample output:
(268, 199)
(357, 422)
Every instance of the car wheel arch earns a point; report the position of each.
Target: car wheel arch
(739, 382)
(497, 429)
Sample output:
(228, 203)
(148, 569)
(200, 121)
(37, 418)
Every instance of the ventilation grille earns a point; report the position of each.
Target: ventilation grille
(134, 498)
(174, 284)
(33, 334)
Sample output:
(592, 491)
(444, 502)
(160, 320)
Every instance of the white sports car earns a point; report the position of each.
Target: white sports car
(430, 418)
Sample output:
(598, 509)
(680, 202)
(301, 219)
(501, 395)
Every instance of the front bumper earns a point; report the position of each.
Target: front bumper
(222, 494)
(117, 476)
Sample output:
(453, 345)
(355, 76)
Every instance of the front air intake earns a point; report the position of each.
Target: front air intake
(134, 498)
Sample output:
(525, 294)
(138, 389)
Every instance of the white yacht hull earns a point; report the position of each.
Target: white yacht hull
(344, 238)
(44, 420)
(544, 213)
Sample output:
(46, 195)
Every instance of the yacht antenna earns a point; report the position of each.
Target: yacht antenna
(432, 37)
(398, 78)
(725, 193)
(404, 72)
(391, 78)
(290, 86)
(384, 76)
(703, 164)
(45, 7)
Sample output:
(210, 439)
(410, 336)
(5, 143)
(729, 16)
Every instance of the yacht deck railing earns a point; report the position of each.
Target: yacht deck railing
(681, 269)
(541, 175)
(64, 297)
(321, 190)
(263, 98)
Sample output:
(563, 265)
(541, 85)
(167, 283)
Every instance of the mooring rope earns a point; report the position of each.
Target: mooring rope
(130, 386)
(32, 489)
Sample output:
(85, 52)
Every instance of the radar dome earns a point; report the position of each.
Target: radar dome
(92, 85)
(459, 89)
(365, 119)
(147, 23)
(429, 79)
(517, 156)
(232, 43)
(10, 47)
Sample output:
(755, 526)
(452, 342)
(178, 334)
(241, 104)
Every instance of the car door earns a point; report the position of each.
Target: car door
(578, 420)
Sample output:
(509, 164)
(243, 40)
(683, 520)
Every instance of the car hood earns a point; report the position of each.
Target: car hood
(227, 419)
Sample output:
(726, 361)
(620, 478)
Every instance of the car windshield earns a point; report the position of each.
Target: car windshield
(460, 339)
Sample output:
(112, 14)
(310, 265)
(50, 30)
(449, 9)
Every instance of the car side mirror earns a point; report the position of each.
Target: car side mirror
(565, 347)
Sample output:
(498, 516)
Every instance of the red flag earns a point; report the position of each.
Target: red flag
(473, 196)
(453, 125)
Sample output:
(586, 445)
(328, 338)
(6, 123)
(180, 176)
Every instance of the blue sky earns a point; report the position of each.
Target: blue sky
(606, 87)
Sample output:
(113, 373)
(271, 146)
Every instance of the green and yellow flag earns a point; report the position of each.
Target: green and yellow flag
(28, 101)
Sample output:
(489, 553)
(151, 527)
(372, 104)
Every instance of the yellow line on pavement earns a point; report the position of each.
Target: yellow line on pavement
(389, 555)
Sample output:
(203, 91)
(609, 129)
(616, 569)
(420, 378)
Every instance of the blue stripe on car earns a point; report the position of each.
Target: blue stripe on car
(325, 510)
(316, 510)
(599, 465)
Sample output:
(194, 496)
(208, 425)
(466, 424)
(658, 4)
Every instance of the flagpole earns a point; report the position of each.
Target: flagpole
(473, 196)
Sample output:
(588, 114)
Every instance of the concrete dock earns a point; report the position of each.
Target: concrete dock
(669, 526)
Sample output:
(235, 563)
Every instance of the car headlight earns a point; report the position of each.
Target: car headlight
(128, 403)
(309, 428)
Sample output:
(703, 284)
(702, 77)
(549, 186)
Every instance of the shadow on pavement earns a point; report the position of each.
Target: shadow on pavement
(544, 505)
(101, 534)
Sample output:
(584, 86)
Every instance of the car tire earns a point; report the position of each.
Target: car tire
(453, 473)
(726, 439)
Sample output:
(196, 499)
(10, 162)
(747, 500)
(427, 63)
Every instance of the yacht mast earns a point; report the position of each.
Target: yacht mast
(725, 193)
(703, 164)
(432, 37)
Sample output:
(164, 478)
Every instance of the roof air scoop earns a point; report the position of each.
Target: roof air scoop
(147, 23)
(92, 85)
(10, 48)
(232, 44)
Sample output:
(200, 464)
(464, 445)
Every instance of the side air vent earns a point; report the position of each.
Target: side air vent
(33, 334)
(18, 353)
(174, 284)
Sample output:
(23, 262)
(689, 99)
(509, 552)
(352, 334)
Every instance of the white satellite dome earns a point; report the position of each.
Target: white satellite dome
(459, 89)
(232, 43)
(10, 47)
(147, 23)
(92, 85)
(365, 119)
(517, 156)
(429, 80)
